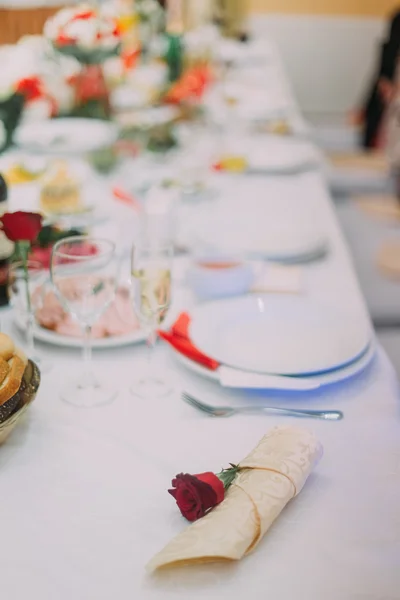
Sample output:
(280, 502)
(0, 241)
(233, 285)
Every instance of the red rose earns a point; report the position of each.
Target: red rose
(21, 226)
(197, 494)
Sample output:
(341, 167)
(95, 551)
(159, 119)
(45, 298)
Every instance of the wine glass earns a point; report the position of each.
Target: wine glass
(151, 293)
(84, 273)
(25, 292)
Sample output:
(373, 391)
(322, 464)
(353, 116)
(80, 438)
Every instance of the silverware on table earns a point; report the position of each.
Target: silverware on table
(229, 411)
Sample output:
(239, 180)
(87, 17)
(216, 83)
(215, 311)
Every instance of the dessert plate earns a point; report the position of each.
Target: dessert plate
(66, 136)
(55, 339)
(286, 335)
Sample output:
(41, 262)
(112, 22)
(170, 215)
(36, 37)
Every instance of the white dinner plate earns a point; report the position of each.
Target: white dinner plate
(290, 242)
(65, 341)
(66, 135)
(286, 335)
(324, 379)
(278, 155)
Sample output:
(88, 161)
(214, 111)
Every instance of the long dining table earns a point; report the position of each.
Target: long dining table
(84, 499)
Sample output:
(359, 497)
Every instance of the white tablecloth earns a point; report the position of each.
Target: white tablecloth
(84, 492)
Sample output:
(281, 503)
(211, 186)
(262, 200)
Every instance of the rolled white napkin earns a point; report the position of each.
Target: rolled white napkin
(271, 475)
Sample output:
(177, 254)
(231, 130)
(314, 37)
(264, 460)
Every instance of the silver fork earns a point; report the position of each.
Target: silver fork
(229, 411)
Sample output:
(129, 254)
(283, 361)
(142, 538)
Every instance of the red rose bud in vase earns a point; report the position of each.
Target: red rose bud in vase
(23, 228)
(196, 495)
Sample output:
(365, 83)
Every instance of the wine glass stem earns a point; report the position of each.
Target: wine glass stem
(88, 377)
(151, 344)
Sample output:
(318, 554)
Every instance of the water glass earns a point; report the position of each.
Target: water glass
(84, 273)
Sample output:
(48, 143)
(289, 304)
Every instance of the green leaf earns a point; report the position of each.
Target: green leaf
(49, 235)
(98, 287)
(228, 476)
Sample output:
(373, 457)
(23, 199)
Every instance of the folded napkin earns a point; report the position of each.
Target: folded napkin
(178, 337)
(272, 474)
(274, 278)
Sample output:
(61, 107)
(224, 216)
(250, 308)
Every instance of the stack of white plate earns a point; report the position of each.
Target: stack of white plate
(298, 341)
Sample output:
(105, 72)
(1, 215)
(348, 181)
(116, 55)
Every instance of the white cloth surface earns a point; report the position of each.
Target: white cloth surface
(84, 492)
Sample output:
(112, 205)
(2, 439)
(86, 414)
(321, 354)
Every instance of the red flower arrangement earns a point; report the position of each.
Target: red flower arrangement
(89, 35)
(196, 495)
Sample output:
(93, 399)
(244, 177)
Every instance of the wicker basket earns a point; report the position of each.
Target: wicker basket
(26, 396)
(17, 22)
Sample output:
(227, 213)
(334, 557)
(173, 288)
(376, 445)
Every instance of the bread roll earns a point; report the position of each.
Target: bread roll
(12, 366)
(4, 369)
(7, 347)
(12, 382)
(21, 354)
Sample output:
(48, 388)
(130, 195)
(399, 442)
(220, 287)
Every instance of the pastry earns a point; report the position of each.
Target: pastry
(60, 192)
(13, 363)
(7, 347)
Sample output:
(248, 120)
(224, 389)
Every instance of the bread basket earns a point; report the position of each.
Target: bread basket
(21, 400)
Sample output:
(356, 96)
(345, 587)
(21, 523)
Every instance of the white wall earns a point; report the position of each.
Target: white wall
(329, 59)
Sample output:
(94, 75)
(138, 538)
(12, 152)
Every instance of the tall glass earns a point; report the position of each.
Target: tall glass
(25, 292)
(84, 273)
(151, 293)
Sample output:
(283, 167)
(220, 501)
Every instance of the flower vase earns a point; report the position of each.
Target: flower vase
(92, 96)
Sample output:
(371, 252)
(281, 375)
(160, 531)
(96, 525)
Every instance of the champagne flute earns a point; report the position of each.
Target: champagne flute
(84, 274)
(151, 291)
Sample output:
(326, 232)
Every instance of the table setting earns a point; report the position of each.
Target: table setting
(190, 304)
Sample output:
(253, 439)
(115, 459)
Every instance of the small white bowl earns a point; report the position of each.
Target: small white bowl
(219, 277)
